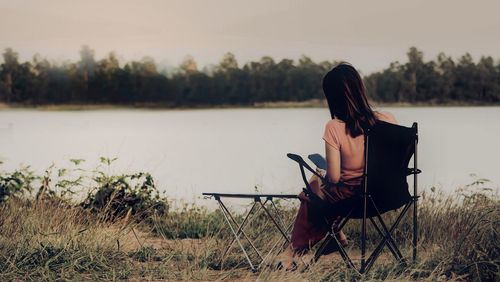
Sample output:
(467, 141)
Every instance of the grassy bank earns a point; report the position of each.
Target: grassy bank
(124, 230)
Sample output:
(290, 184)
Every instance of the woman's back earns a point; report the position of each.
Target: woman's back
(351, 148)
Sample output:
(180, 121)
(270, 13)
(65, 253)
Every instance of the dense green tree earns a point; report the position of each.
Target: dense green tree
(88, 80)
(10, 72)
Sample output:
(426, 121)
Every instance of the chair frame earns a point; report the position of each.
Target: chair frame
(383, 230)
(237, 229)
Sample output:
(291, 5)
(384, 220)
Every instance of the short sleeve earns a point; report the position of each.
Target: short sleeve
(330, 135)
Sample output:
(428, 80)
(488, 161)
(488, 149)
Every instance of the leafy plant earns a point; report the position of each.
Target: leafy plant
(118, 195)
(16, 183)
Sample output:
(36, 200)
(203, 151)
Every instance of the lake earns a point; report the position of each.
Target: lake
(238, 150)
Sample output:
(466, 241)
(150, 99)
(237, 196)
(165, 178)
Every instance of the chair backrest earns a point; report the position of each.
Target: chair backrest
(390, 148)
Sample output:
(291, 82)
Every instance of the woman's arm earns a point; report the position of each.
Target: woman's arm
(332, 163)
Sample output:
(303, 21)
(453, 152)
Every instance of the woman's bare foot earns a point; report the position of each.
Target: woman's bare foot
(286, 260)
(342, 238)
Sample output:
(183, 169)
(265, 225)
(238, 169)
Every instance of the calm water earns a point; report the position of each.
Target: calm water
(235, 150)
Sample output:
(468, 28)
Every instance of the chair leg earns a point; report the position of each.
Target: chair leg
(415, 228)
(384, 236)
(343, 253)
(344, 221)
(384, 241)
(390, 240)
(387, 239)
(415, 196)
(386, 230)
(383, 230)
(363, 237)
(322, 246)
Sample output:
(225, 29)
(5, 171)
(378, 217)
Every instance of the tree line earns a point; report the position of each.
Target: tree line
(105, 81)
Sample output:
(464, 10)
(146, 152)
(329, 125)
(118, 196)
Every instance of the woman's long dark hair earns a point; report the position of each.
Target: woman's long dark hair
(345, 93)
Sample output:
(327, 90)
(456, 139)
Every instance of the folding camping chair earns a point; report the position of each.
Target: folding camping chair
(261, 202)
(388, 150)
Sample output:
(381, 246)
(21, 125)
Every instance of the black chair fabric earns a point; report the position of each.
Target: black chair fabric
(390, 148)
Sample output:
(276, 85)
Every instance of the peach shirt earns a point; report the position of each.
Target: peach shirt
(351, 149)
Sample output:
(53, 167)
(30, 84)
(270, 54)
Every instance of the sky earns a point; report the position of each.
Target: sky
(368, 34)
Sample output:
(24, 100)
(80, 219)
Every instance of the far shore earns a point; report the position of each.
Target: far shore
(264, 105)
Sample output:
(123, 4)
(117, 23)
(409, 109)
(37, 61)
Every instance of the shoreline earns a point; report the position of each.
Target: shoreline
(264, 105)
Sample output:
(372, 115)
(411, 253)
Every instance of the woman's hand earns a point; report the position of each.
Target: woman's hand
(321, 172)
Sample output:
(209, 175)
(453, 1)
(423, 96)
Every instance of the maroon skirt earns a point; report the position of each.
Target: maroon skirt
(312, 222)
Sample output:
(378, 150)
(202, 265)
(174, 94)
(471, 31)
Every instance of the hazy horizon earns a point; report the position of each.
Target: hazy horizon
(369, 35)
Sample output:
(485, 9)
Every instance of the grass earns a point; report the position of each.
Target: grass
(51, 238)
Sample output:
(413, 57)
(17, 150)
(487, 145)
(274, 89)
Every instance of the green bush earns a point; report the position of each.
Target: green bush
(111, 196)
(117, 195)
(16, 183)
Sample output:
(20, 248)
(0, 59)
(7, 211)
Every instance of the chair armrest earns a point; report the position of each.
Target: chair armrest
(303, 163)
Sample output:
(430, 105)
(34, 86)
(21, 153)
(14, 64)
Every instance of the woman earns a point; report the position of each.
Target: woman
(344, 146)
